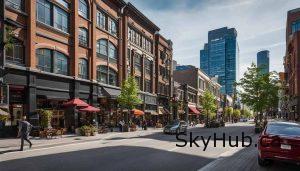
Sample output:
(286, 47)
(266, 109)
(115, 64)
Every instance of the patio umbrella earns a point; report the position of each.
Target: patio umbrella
(89, 109)
(76, 102)
(137, 112)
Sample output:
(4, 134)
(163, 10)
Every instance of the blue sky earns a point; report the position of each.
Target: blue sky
(260, 25)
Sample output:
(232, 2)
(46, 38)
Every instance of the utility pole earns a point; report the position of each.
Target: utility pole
(186, 102)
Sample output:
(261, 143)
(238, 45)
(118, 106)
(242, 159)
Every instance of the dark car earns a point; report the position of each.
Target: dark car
(279, 141)
(176, 127)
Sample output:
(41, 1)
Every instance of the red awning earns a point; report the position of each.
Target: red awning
(76, 102)
(137, 112)
(193, 110)
(89, 109)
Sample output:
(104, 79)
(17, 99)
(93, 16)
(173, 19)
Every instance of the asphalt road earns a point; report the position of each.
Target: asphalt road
(146, 152)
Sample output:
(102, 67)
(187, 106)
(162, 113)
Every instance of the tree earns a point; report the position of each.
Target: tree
(245, 113)
(259, 91)
(208, 104)
(129, 97)
(236, 113)
(228, 112)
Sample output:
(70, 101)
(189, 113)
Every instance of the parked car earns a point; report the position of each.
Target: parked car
(176, 127)
(279, 141)
(243, 120)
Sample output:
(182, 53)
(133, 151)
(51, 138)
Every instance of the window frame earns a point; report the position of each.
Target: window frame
(84, 14)
(83, 68)
(83, 38)
(17, 6)
(14, 59)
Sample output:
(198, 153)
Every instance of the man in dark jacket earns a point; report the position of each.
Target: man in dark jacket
(24, 131)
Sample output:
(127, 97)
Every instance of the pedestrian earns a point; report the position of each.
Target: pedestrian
(24, 131)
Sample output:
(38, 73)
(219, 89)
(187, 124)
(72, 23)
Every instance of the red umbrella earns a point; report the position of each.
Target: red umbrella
(89, 109)
(76, 102)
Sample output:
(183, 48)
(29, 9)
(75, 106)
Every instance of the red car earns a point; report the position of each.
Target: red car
(279, 141)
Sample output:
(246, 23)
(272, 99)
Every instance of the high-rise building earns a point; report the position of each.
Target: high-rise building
(263, 61)
(219, 57)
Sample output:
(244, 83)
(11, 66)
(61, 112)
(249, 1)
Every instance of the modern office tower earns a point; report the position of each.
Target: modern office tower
(263, 61)
(219, 57)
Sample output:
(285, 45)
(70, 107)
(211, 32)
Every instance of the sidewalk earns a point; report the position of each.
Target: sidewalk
(13, 144)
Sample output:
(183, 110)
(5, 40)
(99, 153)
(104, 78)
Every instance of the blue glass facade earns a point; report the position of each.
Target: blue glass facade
(220, 57)
(263, 59)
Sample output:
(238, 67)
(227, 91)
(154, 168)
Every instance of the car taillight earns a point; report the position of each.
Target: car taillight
(265, 141)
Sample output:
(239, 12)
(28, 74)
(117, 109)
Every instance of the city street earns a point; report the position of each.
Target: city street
(148, 150)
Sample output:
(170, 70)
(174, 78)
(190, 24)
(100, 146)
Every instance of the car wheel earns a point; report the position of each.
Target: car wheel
(263, 162)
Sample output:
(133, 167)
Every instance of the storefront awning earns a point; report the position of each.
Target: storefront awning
(89, 109)
(137, 112)
(193, 110)
(111, 93)
(76, 102)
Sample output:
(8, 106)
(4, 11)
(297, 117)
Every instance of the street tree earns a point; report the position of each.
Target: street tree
(208, 104)
(259, 91)
(129, 98)
(236, 114)
(228, 112)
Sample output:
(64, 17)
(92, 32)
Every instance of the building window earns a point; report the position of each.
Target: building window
(63, 3)
(44, 11)
(112, 77)
(295, 26)
(112, 51)
(44, 59)
(148, 66)
(61, 64)
(102, 47)
(15, 54)
(138, 62)
(101, 20)
(138, 82)
(148, 86)
(52, 61)
(16, 4)
(83, 36)
(106, 75)
(61, 19)
(83, 8)
(107, 50)
(112, 27)
(140, 40)
(83, 68)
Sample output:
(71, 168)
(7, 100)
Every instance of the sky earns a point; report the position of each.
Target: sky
(260, 25)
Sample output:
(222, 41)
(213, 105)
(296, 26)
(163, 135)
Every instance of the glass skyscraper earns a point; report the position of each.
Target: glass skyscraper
(263, 61)
(219, 57)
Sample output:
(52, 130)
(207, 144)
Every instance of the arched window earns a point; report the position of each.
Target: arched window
(102, 47)
(107, 50)
(83, 68)
(112, 51)
(83, 8)
(52, 61)
(102, 74)
(15, 54)
(61, 63)
(83, 36)
(44, 59)
(106, 75)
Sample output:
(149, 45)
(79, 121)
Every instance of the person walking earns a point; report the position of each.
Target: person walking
(24, 131)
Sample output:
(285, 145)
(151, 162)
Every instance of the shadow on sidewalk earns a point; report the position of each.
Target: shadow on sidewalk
(8, 151)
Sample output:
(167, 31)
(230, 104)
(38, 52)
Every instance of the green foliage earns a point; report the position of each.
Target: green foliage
(228, 111)
(9, 37)
(45, 118)
(87, 130)
(129, 94)
(246, 113)
(208, 104)
(236, 113)
(259, 91)
(3, 118)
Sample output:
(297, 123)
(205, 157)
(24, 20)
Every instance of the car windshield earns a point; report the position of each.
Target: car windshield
(284, 129)
(174, 123)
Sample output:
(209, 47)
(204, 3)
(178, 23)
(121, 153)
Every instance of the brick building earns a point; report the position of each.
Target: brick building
(80, 49)
(292, 62)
